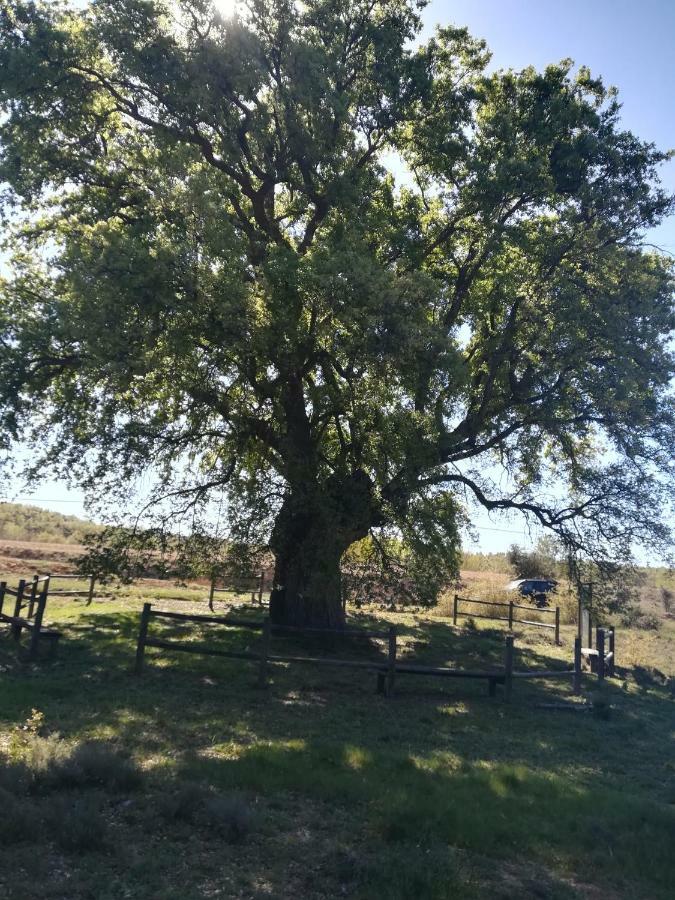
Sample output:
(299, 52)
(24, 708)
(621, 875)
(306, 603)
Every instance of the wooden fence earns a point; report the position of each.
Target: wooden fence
(67, 592)
(602, 657)
(34, 603)
(387, 669)
(31, 602)
(253, 584)
(511, 618)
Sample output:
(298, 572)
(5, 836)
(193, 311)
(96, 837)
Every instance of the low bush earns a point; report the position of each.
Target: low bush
(95, 764)
(50, 763)
(20, 819)
(43, 758)
(14, 776)
(432, 872)
(230, 815)
(183, 803)
(77, 824)
(634, 617)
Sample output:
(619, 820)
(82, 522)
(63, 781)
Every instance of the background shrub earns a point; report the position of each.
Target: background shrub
(634, 617)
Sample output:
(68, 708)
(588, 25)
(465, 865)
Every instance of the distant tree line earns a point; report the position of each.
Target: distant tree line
(30, 523)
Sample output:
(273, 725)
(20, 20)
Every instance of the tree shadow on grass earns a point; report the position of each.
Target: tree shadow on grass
(104, 643)
(440, 764)
(501, 811)
(184, 702)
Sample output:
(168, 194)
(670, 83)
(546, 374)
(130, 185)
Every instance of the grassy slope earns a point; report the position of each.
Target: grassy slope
(440, 792)
(21, 522)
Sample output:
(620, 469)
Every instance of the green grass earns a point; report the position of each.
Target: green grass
(318, 787)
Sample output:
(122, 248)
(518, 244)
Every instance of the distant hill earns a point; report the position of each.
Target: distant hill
(19, 522)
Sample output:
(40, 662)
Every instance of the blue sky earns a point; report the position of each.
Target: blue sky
(629, 43)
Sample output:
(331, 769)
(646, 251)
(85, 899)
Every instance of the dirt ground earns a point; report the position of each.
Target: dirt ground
(23, 557)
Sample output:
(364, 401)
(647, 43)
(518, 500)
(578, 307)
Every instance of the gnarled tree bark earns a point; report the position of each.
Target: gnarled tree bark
(314, 527)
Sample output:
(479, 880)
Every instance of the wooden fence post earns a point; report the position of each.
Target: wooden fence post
(260, 588)
(612, 650)
(454, 610)
(37, 624)
(600, 644)
(391, 661)
(212, 592)
(510, 615)
(577, 665)
(557, 626)
(594, 659)
(90, 595)
(508, 667)
(142, 636)
(33, 597)
(3, 590)
(264, 653)
(16, 628)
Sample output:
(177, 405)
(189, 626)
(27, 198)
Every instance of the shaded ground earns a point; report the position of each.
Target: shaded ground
(439, 792)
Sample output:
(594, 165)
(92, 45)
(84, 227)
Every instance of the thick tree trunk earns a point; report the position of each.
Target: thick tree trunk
(307, 589)
(313, 529)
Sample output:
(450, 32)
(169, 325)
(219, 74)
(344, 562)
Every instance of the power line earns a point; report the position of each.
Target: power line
(502, 530)
(41, 500)
(81, 502)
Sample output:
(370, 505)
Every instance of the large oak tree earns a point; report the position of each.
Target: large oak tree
(215, 276)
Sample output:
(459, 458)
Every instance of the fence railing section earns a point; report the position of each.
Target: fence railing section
(602, 657)
(29, 609)
(68, 592)
(511, 616)
(388, 666)
(247, 584)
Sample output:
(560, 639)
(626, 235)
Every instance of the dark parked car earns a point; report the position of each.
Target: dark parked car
(536, 589)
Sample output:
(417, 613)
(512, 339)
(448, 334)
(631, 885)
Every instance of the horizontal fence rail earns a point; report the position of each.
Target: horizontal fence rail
(68, 592)
(545, 673)
(602, 657)
(198, 617)
(252, 584)
(511, 618)
(387, 668)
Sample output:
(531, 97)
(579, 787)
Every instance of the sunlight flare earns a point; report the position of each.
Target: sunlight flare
(225, 7)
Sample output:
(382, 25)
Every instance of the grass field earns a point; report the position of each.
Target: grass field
(202, 785)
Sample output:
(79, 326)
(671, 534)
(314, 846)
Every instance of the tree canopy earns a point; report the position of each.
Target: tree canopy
(216, 277)
(542, 561)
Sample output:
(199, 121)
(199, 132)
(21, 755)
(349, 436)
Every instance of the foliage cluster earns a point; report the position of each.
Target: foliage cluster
(218, 293)
(543, 561)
